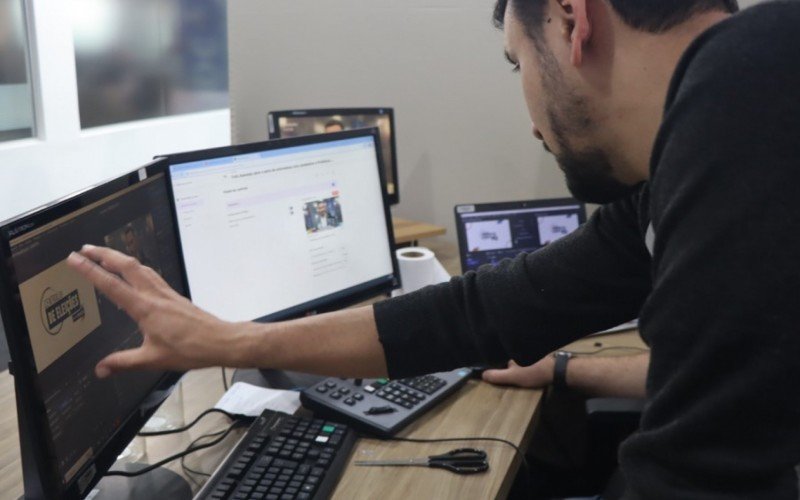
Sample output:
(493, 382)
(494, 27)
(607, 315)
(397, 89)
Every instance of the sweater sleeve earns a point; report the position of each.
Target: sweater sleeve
(523, 308)
(723, 419)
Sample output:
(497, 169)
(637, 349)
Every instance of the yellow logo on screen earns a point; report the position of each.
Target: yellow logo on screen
(57, 307)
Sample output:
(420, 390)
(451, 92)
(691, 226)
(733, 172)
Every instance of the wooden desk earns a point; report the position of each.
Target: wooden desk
(409, 231)
(479, 409)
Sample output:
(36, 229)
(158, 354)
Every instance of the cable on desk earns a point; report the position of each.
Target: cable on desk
(189, 450)
(521, 455)
(609, 348)
(224, 379)
(183, 458)
(190, 425)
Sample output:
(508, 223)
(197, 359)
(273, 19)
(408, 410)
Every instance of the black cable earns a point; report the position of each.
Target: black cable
(183, 458)
(190, 425)
(519, 452)
(177, 455)
(224, 379)
(609, 348)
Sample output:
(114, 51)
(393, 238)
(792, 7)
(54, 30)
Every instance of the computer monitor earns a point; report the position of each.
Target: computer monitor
(296, 123)
(72, 424)
(284, 228)
(491, 232)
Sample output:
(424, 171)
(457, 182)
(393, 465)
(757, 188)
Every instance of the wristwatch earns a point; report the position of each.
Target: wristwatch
(560, 370)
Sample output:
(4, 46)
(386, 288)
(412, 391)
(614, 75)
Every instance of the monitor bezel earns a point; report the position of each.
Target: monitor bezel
(41, 477)
(338, 300)
(274, 132)
(460, 210)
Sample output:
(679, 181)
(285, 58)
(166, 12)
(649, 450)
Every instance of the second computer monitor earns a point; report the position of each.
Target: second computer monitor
(279, 229)
(296, 123)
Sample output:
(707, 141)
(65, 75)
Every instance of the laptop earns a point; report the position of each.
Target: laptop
(491, 232)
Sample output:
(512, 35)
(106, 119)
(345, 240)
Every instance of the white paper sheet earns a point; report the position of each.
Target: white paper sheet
(251, 400)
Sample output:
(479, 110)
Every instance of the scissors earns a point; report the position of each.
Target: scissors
(460, 461)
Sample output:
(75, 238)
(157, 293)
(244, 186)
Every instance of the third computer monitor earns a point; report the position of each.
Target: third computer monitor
(296, 123)
(278, 229)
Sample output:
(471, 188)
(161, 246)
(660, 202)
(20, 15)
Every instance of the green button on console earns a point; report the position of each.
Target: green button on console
(328, 429)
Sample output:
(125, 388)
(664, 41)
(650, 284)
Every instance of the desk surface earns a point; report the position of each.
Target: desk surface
(478, 409)
(408, 231)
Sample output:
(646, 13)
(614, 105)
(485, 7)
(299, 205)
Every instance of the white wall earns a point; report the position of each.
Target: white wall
(463, 130)
(63, 158)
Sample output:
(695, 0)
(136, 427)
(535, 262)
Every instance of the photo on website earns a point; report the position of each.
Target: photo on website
(322, 215)
(137, 239)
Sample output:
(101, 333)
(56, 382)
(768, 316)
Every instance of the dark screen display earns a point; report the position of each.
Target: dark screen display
(489, 237)
(72, 326)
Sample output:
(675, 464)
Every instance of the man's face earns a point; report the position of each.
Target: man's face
(333, 127)
(561, 113)
(131, 243)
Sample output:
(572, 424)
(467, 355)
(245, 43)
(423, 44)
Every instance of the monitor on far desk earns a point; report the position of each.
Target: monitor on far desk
(297, 123)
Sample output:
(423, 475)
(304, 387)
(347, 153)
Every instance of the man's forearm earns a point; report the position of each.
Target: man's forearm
(342, 344)
(617, 376)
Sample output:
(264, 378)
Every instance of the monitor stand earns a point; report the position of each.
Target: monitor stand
(158, 483)
(276, 379)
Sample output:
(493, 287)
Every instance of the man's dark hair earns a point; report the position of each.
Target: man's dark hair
(653, 16)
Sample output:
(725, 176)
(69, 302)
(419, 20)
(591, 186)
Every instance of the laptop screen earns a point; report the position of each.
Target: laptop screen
(491, 232)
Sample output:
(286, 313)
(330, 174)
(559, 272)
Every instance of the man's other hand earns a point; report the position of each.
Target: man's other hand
(177, 335)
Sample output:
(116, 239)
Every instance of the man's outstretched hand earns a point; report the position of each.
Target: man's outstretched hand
(177, 335)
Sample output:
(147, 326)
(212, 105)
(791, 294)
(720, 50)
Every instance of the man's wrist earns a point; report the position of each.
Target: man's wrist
(560, 369)
(246, 341)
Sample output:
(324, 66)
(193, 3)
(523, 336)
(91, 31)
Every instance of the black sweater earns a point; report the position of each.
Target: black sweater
(718, 294)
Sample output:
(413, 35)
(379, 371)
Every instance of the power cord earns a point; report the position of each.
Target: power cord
(183, 458)
(190, 425)
(609, 348)
(189, 450)
(224, 379)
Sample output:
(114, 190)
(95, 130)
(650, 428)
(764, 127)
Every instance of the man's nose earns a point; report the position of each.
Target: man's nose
(536, 132)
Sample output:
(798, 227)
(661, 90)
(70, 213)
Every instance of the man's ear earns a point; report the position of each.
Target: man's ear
(577, 20)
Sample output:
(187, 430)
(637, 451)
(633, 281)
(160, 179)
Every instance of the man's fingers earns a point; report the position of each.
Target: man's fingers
(120, 293)
(118, 263)
(502, 377)
(120, 361)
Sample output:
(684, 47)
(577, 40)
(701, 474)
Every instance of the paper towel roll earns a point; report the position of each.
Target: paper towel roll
(419, 268)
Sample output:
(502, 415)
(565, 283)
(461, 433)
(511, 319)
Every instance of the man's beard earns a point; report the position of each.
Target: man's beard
(589, 174)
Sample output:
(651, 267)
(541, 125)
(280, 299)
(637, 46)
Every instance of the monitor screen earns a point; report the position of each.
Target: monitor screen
(491, 232)
(281, 228)
(298, 123)
(59, 326)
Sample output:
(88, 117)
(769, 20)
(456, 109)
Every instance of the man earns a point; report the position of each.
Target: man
(685, 123)
(334, 126)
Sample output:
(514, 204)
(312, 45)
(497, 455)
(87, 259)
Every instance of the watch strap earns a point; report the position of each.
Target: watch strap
(560, 369)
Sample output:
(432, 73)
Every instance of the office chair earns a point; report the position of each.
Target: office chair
(574, 444)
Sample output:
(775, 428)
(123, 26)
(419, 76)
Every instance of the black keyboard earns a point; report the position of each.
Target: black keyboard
(282, 457)
(380, 406)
